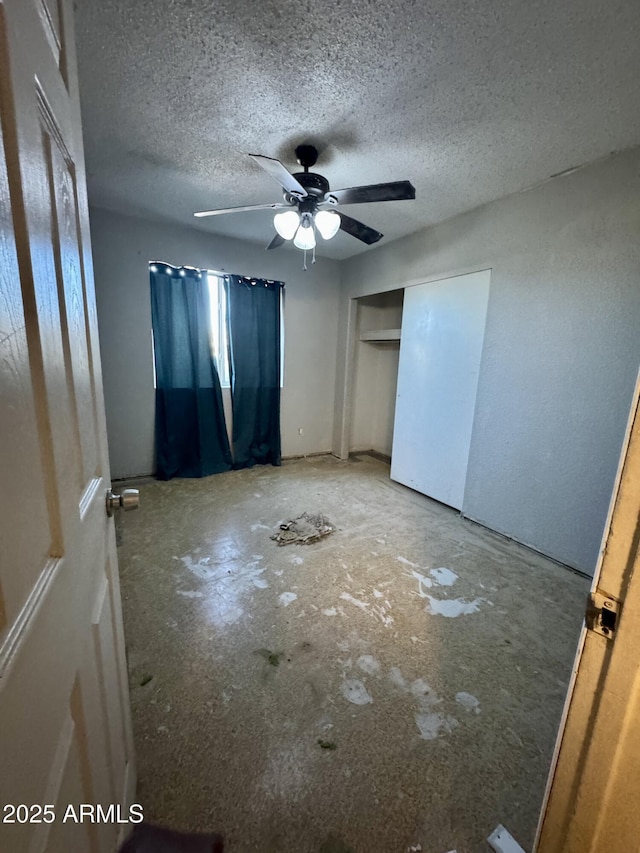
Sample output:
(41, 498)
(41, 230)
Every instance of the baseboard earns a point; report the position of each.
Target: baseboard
(532, 548)
(307, 455)
(375, 454)
(136, 478)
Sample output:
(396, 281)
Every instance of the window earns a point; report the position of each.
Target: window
(219, 341)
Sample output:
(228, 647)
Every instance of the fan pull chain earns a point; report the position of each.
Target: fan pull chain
(304, 266)
(313, 256)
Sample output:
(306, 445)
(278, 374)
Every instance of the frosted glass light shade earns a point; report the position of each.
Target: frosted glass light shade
(286, 223)
(327, 222)
(305, 237)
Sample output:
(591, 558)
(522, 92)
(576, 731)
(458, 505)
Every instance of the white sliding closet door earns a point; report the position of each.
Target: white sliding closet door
(442, 334)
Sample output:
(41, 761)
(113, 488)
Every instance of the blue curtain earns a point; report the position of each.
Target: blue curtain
(253, 322)
(191, 435)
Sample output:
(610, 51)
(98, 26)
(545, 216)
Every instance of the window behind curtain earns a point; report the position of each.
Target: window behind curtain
(219, 347)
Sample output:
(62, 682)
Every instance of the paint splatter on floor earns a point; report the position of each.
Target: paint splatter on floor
(346, 596)
(453, 607)
(396, 677)
(431, 724)
(423, 693)
(381, 613)
(286, 598)
(202, 569)
(423, 583)
(355, 692)
(468, 701)
(443, 576)
(368, 664)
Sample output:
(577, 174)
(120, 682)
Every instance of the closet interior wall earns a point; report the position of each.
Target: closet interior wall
(376, 372)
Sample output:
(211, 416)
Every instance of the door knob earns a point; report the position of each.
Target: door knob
(129, 499)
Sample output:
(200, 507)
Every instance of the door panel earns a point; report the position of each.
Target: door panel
(57, 160)
(441, 345)
(51, 16)
(29, 546)
(65, 730)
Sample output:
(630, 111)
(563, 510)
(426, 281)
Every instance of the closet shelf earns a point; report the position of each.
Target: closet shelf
(380, 335)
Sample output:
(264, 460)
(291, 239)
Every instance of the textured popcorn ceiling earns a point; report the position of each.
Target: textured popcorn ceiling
(469, 100)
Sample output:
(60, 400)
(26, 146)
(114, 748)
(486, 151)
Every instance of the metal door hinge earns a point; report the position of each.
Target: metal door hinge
(602, 614)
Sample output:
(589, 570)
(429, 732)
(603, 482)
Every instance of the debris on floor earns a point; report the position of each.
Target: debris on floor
(145, 680)
(272, 657)
(503, 842)
(418, 849)
(326, 744)
(303, 530)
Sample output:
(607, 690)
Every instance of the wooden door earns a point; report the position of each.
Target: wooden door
(593, 798)
(441, 345)
(65, 734)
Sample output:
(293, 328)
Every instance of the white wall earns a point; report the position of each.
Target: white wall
(122, 249)
(561, 349)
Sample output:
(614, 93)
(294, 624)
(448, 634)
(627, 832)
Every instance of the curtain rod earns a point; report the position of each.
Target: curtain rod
(219, 273)
(185, 267)
(222, 273)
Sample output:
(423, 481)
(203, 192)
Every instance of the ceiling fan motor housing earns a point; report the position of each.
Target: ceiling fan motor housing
(315, 185)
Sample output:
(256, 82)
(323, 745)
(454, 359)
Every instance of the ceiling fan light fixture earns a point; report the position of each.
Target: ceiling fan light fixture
(286, 223)
(305, 235)
(328, 223)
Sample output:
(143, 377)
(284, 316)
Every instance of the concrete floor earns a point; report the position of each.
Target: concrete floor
(397, 683)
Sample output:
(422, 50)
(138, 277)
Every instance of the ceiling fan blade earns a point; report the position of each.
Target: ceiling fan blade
(359, 230)
(280, 173)
(275, 206)
(276, 242)
(394, 191)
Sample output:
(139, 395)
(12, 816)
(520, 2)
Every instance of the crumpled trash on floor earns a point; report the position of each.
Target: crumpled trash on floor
(303, 530)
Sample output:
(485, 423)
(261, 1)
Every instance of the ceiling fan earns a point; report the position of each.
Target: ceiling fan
(309, 204)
